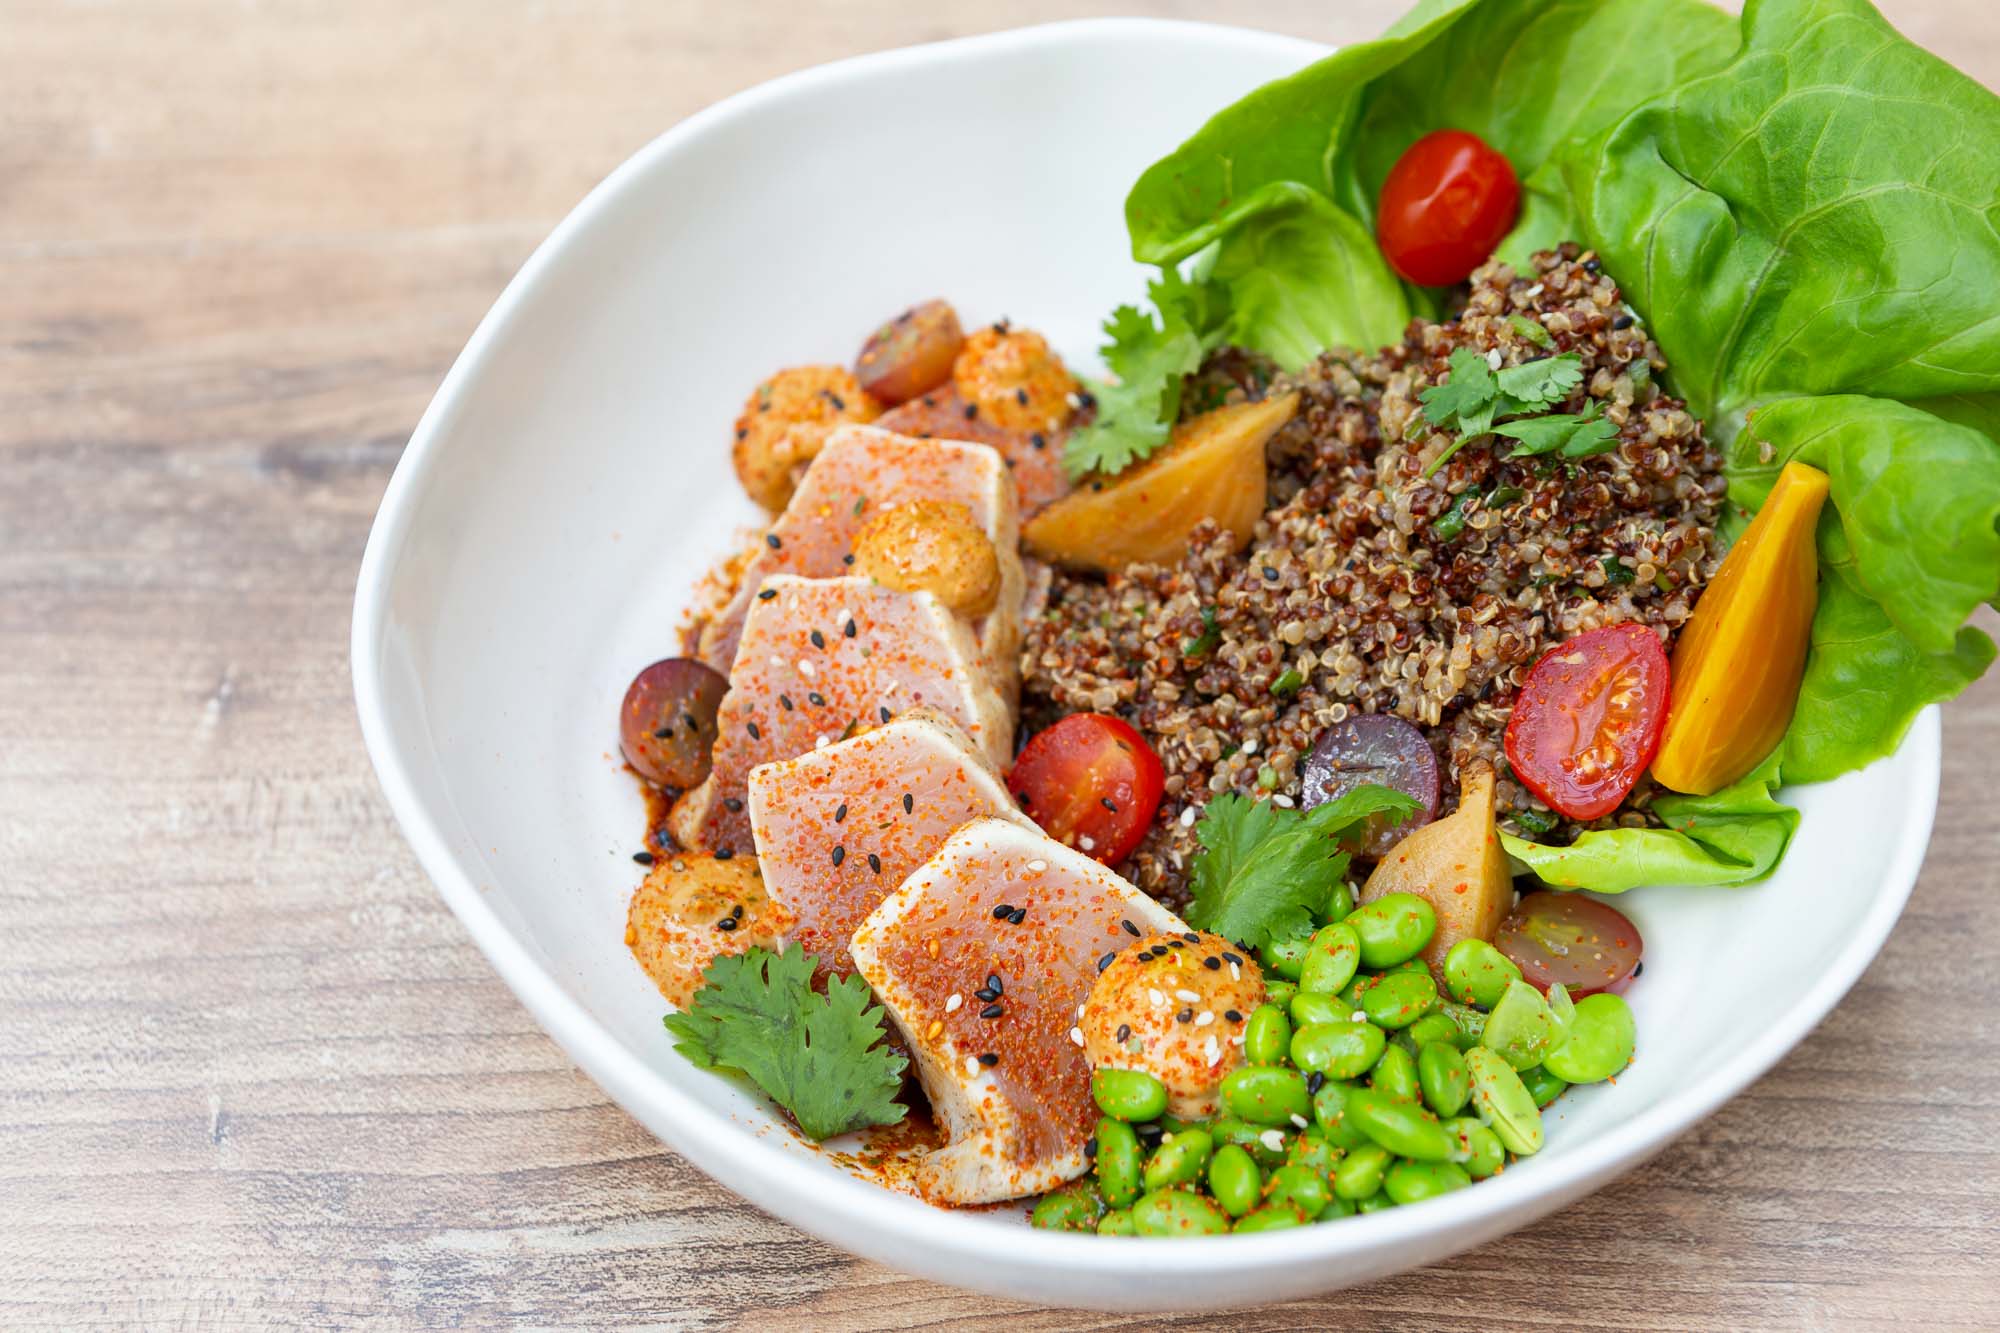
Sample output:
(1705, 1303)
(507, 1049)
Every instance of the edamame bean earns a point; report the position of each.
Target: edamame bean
(1475, 1147)
(1476, 973)
(1375, 1203)
(1338, 1050)
(1351, 993)
(1072, 1208)
(1395, 1074)
(1338, 903)
(1308, 1008)
(1313, 1149)
(1543, 1086)
(1407, 965)
(1442, 1077)
(1302, 1187)
(1401, 1127)
(1176, 1212)
(1234, 1180)
(1267, 1095)
(1337, 1208)
(1413, 1182)
(1518, 1028)
(1331, 960)
(1400, 1000)
(1117, 1222)
(1131, 1095)
(1600, 1041)
(1433, 1027)
(1393, 928)
(1267, 1035)
(1503, 1102)
(1278, 992)
(1269, 1218)
(1265, 1146)
(1471, 1023)
(1359, 1174)
(1285, 956)
(1330, 1111)
(1179, 1159)
(1562, 1013)
(1119, 1162)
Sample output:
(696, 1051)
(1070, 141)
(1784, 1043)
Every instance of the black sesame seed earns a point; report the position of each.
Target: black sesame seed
(972, 411)
(1086, 400)
(771, 540)
(1107, 960)
(1039, 440)
(994, 984)
(1184, 1016)
(1233, 1015)
(1130, 929)
(661, 733)
(839, 853)
(838, 404)
(1177, 944)
(850, 629)
(1090, 1147)
(1124, 1032)
(1637, 969)
(909, 803)
(847, 559)
(875, 863)
(1191, 937)
(818, 639)
(989, 1059)
(754, 733)
(1270, 573)
(1020, 914)
(1228, 957)
(885, 713)
(662, 839)
(815, 698)
(727, 923)
(742, 432)
(643, 858)
(1108, 804)
(840, 812)
(767, 594)
(732, 804)
(1000, 912)
(983, 993)
(1212, 963)
(785, 702)
(1623, 322)
(993, 1011)
(1314, 1082)
(724, 853)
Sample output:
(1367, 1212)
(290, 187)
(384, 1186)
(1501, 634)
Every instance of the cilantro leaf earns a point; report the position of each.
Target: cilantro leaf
(1151, 359)
(1578, 436)
(1470, 391)
(818, 1056)
(1534, 384)
(1264, 872)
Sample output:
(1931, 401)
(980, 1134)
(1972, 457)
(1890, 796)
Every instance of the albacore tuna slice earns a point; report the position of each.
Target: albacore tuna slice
(989, 1001)
(825, 659)
(859, 473)
(839, 829)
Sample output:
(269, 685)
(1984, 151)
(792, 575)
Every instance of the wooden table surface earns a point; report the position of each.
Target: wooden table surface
(251, 1070)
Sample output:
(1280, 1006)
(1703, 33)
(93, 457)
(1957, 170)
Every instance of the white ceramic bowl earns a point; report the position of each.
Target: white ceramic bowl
(572, 479)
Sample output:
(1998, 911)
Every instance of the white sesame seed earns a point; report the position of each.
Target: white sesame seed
(806, 669)
(1282, 801)
(1159, 1000)
(778, 663)
(1235, 972)
(1212, 1051)
(1076, 1035)
(972, 1066)
(1533, 291)
(1038, 865)
(1202, 1020)
(1087, 843)
(1187, 817)
(1493, 359)
(951, 1005)
(1299, 1120)
(1187, 997)
(1236, 1040)
(1273, 1139)
(821, 741)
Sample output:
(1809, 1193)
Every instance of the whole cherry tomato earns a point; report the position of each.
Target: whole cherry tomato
(1447, 202)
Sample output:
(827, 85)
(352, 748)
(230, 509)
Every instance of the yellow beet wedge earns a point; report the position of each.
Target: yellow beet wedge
(1738, 662)
(1213, 467)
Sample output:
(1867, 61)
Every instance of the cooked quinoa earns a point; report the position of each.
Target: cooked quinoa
(1349, 600)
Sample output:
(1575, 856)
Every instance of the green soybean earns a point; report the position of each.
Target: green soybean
(1117, 1222)
(1072, 1208)
(1308, 1007)
(1269, 1218)
(1336, 1208)
(1407, 965)
(1267, 1035)
(1234, 1180)
(1131, 1095)
(1434, 1027)
(1359, 1174)
(1266, 1095)
(1395, 1074)
(1352, 992)
(1375, 1203)
(1253, 1139)
(1413, 1182)
(1393, 928)
(1471, 1023)
(1338, 1050)
(1302, 1187)
(1518, 1028)
(1119, 1162)
(1476, 973)
(1338, 903)
(1543, 1086)
(1330, 1112)
(1331, 960)
(1400, 1000)
(1478, 1148)
(1600, 1041)
(1314, 1149)
(1399, 1126)
(1278, 992)
(1178, 1212)
(1179, 1160)
(1285, 956)
(1503, 1102)
(1442, 1077)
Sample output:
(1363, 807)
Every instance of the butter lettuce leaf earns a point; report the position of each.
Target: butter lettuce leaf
(1303, 277)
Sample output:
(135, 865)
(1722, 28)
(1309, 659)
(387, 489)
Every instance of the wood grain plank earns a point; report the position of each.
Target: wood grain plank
(251, 1069)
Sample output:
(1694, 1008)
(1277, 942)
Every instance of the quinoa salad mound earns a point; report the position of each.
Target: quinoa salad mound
(1370, 587)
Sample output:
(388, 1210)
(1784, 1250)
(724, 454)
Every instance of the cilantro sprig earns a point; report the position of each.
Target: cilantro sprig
(1263, 871)
(1151, 357)
(1476, 396)
(818, 1056)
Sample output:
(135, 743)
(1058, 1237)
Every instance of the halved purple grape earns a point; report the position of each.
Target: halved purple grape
(1373, 748)
(666, 726)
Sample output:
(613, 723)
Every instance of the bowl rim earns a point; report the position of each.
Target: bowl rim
(945, 1243)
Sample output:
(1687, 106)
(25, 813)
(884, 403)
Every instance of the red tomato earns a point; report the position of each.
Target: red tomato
(1588, 719)
(1092, 783)
(1586, 945)
(1448, 201)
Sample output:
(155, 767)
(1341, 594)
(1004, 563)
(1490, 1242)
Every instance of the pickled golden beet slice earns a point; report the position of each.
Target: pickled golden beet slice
(1737, 665)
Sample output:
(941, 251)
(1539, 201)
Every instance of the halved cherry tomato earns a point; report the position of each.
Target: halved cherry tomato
(1092, 783)
(1586, 945)
(1588, 719)
(1447, 202)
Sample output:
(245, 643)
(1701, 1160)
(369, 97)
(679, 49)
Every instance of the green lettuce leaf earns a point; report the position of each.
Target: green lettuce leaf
(1303, 277)
(1733, 837)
